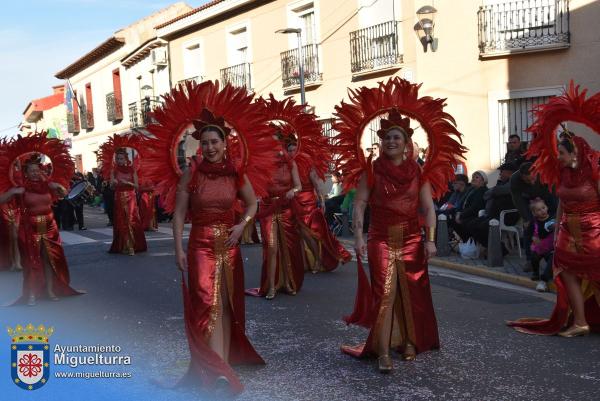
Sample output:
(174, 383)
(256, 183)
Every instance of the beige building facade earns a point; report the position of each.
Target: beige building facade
(494, 60)
(115, 84)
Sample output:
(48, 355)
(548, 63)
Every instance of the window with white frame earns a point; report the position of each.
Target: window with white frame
(192, 60)
(237, 45)
(511, 113)
(303, 16)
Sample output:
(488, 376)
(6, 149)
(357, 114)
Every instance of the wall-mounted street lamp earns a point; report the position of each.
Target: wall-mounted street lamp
(298, 32)
(424, 27)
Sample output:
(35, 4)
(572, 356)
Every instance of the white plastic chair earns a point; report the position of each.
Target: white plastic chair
(512, 233)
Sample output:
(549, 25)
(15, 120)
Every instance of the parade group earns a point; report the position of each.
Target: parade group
(273, 150)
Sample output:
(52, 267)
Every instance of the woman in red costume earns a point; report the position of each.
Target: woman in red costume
(324, 251)
(9, 228)
(396, 306)
(10, 257)
(45, 270)
(148, 207)
(573, 167)
(209, 191)
(128, 232)
(282, 267)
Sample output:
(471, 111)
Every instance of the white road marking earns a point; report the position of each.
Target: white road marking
(69, 238)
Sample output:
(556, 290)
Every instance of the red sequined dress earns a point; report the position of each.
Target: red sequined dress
(211, 265)
(395, 251)
(577, 248)
(128, 233)
(39, 240)
(277, 220)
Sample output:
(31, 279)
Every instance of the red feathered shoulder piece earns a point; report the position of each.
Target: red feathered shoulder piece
(313, 148)
(397, 97)
(570, 106)
(22, 148)
(106, 152)
(249, 146)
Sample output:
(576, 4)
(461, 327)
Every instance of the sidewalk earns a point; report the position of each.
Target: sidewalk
(511, 272)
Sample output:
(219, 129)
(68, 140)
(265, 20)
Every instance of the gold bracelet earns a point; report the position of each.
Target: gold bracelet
(430, 234)
(247, 219)
(296, 190)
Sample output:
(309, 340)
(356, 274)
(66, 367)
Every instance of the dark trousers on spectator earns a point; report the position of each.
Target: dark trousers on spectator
(462, 228)
(535, 264)
(478, 229)
(528, 239)
(79, 214)
(67, 214)
(108, 197)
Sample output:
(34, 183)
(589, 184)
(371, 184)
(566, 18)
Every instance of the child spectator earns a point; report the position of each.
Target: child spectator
(542, 244)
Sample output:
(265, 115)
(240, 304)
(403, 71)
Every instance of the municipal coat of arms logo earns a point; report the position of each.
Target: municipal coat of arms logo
(30, 355)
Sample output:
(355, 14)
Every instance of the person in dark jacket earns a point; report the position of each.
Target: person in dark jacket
(496, 200)
(472, 204)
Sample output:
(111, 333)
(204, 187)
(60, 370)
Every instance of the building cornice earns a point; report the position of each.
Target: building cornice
(107, 47)
(142, 51)
(202, 14)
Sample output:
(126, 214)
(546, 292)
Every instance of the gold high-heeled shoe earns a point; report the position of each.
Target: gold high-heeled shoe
(270, 294)
(410, 352)
(385, 364)
(575, 331)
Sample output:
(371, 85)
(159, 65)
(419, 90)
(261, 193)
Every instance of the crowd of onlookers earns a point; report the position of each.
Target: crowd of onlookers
(472, 202)
(470, 206)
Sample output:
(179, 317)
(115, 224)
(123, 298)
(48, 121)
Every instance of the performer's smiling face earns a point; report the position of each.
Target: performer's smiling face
(121, 159)
(394, 143)
(33, 172)
(213, 146)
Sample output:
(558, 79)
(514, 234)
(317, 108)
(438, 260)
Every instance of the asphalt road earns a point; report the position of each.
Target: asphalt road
(135, 303)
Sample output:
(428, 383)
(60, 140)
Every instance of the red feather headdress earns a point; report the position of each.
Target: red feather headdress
(301, 128)
(249, 145)
(570, 106)
(22, 148)
(402, 97)
(107, 151)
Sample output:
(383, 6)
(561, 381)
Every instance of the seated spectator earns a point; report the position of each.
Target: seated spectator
(525, 187)
(334, 198)
(496, 200)
(472, 204)
(542, 244)
(460, 188)
(336, 187)
(514, 155)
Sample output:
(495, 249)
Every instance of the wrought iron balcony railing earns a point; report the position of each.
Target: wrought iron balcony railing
(197, 79)
(237, 75)
(524, 25)
(139, 111)
(375, 47)
(290, 66)
(114, 107)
